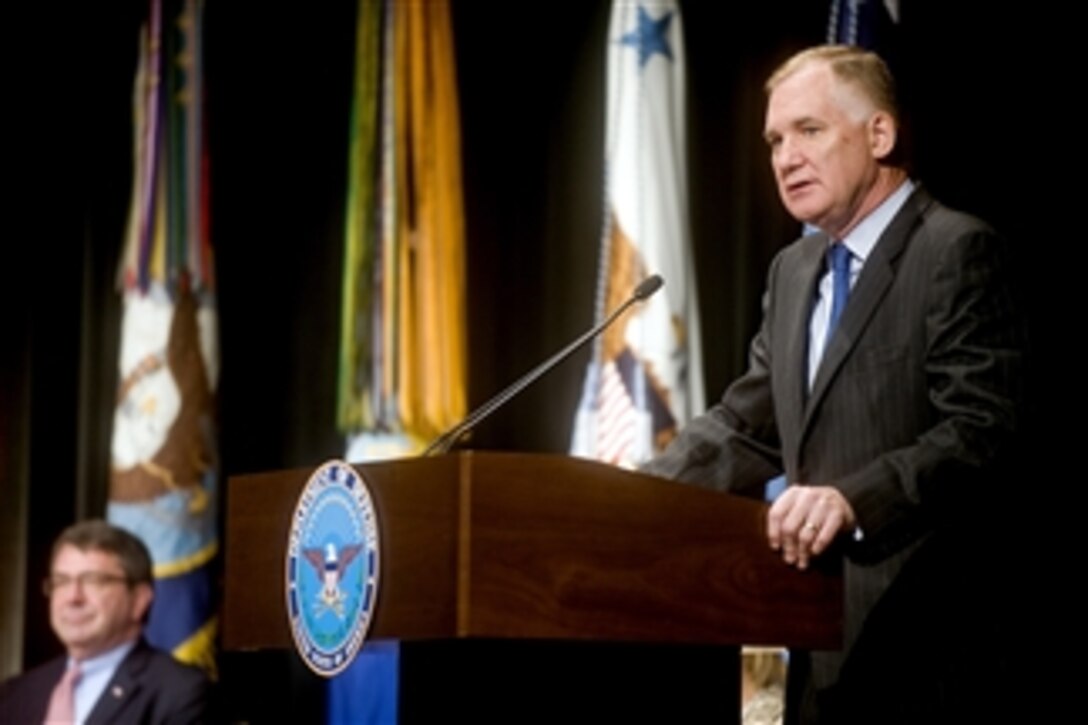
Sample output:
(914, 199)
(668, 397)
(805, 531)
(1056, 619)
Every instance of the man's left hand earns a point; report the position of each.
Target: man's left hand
(804, 520)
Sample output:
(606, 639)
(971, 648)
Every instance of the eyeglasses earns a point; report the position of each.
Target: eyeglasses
(96, 580)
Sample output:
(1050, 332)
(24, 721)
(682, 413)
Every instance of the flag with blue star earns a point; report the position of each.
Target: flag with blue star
(650, 35)
(645, 379)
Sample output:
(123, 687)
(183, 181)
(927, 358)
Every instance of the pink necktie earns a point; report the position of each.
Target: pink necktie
(62, 705)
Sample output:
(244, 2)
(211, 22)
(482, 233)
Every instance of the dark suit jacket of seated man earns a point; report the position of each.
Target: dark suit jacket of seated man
(100, 590)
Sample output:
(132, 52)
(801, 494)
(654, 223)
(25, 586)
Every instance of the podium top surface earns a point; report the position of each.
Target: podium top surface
(535, 546)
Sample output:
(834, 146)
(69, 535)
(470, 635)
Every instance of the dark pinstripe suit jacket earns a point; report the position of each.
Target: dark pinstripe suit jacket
(917, 394)
(148, 687)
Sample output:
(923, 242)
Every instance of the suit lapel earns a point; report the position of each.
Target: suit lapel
(122, 687)
(803, 280)
(49, 679)
(872, 285)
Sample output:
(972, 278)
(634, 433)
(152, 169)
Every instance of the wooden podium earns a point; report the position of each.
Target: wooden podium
(541, 581)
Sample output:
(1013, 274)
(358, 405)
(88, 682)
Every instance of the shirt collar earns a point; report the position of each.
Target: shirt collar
(108, 660)
(862, 238)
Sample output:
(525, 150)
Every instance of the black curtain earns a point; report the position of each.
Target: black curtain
(531, 90)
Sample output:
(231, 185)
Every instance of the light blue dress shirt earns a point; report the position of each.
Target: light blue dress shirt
(860, 241)
(96, 674)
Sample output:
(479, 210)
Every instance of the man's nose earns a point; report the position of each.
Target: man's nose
(76, 589)
(786, 155)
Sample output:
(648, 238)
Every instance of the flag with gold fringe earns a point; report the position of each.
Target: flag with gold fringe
(402, 376)
(163, 479)
(645, 379)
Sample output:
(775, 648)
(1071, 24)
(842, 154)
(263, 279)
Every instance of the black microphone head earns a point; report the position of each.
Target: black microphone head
(648, 286)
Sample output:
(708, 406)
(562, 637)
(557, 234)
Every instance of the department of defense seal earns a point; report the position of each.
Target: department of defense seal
(332, 568)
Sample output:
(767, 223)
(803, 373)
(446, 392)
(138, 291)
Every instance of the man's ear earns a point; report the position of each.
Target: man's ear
(883, 133)
(142, 596)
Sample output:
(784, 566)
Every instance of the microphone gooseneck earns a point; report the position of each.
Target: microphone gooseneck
(444, 442)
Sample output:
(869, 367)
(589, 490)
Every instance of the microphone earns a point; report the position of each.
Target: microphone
(444, 442)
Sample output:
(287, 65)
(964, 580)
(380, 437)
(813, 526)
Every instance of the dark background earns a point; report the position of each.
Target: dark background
(978, 81)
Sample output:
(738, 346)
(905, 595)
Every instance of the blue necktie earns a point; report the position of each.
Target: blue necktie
(838, 258)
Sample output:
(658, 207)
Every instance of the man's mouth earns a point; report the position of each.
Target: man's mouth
(76, 620)
(797, 187)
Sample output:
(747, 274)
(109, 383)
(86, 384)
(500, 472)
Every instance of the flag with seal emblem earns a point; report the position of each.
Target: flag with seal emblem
(163, 478)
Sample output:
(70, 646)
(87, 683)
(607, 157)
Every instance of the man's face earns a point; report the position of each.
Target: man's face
(823, 149)
(92, 607)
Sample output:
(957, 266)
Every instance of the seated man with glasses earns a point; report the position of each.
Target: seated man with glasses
(100, 591)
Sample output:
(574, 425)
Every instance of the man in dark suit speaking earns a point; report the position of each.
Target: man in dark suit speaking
(884, 384)
(100, 589)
